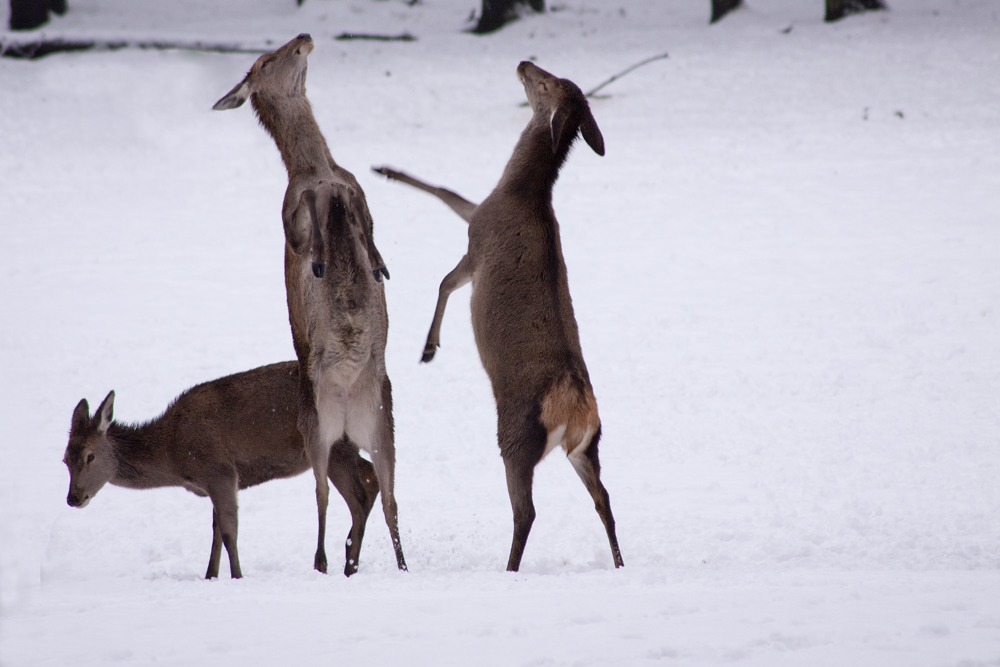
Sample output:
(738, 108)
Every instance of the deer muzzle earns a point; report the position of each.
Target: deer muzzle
(77, 499)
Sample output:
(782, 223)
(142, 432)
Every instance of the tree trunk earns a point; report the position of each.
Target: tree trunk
(496, 13)
(838, 9)
(29, 14)
(722, 7)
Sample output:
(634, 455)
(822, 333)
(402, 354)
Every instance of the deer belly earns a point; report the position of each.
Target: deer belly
(347, 408)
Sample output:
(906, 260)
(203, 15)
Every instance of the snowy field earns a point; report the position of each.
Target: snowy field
(786, 273)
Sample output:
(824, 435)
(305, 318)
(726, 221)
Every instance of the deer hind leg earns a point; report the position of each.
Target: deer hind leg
(522, 446)
(384, 458)
(226, 523)
(458, 277)
(587, 465)
(356, 481)
(317, 439)
(370, 425)
(519, 480)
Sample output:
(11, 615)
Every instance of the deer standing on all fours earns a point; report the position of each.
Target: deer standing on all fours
(333, 283)
(217, 437)
(522, 314)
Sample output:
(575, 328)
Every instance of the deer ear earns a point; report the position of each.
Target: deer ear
(592, 133)
(105, 413)
(557, 123)
(234, 98)
(81, 415)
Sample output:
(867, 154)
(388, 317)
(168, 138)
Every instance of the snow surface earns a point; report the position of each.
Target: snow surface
(786, 273)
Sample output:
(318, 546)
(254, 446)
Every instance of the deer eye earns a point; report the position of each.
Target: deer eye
(90, 457)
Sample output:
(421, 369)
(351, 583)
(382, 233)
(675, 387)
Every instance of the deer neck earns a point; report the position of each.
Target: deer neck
(290, 122)
(140, 455)
(533, 168)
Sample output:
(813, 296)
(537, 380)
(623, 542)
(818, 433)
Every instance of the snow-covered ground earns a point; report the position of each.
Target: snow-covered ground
(786, 273)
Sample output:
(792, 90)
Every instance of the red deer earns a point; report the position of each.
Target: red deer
(217, 437)
(333, 283)
(522, 315)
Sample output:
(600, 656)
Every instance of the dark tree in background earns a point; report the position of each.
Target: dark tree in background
(29, 14)
(498, 12)
(838, 9)
(835, 9)
(722, 7)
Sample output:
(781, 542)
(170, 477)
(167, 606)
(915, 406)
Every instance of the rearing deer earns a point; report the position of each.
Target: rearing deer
(522, 315)
(333, 283)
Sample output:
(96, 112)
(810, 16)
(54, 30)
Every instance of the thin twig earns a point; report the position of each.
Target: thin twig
(624, 72)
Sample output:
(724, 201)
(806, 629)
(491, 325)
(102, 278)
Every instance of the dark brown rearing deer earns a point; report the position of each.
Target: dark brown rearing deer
(217, 437)
(333, 282)
(522, 315)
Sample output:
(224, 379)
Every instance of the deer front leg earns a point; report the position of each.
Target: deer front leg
(216, 555)
(456, 202)
(222, 491)
(459, 276)
(359, 215)
(357, 482)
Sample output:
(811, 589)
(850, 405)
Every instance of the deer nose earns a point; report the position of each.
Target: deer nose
(306, 37)
(74, 500)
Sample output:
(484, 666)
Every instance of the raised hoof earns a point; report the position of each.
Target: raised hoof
(428, 355)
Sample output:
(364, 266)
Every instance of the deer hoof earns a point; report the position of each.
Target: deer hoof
(319, 270)
(320, 563)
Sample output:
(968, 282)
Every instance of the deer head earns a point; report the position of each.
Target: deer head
(562, 104)
(90, 457)
(281, 71)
